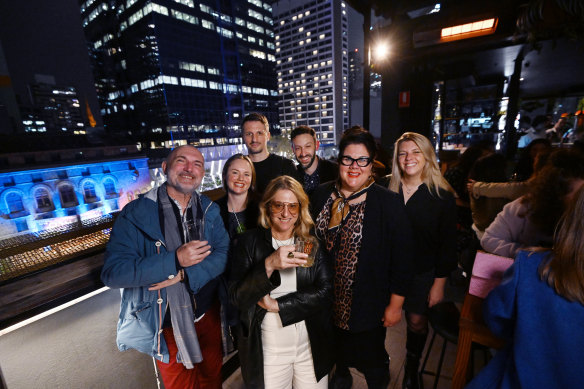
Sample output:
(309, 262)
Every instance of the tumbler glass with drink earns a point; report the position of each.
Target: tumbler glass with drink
(307, 246)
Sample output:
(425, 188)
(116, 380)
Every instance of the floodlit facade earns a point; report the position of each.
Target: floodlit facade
(312, 66)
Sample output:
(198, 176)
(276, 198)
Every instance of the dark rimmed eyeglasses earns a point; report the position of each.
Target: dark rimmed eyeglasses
(361, 161)
(278, 206)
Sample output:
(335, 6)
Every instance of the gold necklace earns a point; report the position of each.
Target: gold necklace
(409, 191)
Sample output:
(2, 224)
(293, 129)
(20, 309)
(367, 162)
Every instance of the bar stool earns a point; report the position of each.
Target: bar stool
(443, 318)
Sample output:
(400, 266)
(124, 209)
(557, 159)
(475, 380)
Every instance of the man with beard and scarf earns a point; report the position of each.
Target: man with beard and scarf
(170, 283)
(255, 131)
(312, 170)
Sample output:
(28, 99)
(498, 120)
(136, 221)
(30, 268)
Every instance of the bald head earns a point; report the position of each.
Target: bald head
(184, 168)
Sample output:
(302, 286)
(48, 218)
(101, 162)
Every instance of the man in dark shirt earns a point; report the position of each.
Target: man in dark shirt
(255, 131)
(312, 170)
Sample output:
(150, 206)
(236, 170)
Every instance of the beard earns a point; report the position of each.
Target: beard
(309, 163)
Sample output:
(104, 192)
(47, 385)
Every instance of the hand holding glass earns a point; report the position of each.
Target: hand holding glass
(194, 230)
(307, 246)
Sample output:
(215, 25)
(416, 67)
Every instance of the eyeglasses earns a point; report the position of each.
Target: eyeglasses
(277, 207)
(361, 161)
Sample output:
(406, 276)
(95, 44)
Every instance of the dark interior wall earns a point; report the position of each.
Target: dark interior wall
(418, 79)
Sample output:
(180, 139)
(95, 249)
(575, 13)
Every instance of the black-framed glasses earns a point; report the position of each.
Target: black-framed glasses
(361, 161)
(278, 206)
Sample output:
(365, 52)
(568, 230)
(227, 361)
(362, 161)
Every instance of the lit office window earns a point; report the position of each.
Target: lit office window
(255, 14)
(188, 3)
(207, 24)
(257, 54)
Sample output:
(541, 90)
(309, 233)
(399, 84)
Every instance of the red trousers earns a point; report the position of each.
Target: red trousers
(205, 375)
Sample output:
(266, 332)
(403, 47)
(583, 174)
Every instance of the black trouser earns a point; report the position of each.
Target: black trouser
(364, 351)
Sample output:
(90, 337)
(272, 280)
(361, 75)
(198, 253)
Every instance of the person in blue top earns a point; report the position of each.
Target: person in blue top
(539, 309)
(169, 280)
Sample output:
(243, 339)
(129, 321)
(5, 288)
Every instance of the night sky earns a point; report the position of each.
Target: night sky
(46, 37)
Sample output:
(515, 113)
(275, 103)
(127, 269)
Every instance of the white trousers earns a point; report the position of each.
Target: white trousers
(287, 356)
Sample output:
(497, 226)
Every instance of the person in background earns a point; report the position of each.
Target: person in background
(368, 234)
(430, 205)
(284, 334)
(524, 168)
(457, 176)
(530, 220)
(538, 128)
(312, 170)
(491, 168)
(162, 272)
(255, 131)
(539, 309)
(509, 190)
(556, 133)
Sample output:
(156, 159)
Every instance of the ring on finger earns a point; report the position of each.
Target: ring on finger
(290, 254)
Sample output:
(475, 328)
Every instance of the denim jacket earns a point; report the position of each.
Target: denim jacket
(136, 257)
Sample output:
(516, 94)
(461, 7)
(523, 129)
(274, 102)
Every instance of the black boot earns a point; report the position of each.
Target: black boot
(377, 378)
(414, 346)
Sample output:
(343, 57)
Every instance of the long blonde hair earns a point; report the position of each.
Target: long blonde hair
(565, 270)
(431, 175)
(304, 223)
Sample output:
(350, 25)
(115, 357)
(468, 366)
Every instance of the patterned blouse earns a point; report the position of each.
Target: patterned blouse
(346, 255)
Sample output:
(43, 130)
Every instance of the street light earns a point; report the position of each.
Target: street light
(380, 52)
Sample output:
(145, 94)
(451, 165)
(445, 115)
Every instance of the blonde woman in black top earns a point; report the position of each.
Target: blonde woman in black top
(431, 208)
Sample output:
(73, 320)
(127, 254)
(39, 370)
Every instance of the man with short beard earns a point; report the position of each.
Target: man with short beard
(312, 170)
(255, 131)
(170, 287)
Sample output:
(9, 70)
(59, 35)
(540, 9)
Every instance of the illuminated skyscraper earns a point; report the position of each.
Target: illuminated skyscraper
(191, 67)
(312, 65)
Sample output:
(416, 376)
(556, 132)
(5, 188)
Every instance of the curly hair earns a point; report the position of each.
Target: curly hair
(548, 189)
(304, 223)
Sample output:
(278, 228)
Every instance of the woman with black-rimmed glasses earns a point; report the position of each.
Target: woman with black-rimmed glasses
(284, 334)
(365, 229)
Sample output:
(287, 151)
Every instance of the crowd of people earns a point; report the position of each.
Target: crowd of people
(302, 268)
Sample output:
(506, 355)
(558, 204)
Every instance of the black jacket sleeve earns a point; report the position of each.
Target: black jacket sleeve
(249, 281)
(315, 292)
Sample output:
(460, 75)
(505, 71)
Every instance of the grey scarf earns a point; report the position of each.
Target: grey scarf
(179, 299)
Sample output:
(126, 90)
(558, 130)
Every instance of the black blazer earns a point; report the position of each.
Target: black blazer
(385, 264)
(312, 302)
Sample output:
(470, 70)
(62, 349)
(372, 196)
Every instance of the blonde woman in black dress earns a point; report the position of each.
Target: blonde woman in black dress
(431, 208)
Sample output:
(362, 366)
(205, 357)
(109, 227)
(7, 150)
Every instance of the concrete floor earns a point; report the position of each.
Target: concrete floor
(395, 344)
(75, 348)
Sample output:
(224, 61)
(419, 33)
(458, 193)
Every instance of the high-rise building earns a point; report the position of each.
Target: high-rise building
(193, 68)
(312, 65)
(55, 109)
